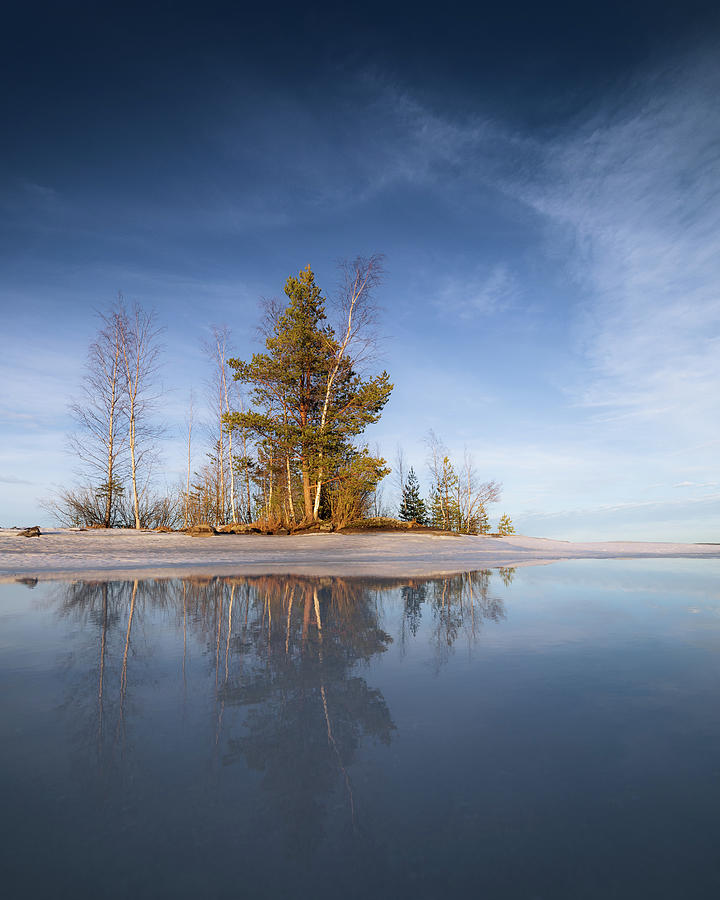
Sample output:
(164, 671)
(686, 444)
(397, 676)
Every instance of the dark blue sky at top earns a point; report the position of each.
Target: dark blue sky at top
(193, 156)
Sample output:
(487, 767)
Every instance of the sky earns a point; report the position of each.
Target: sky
(543, 179)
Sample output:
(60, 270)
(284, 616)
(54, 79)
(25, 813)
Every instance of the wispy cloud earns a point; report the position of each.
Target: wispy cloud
(373, 136)
(484, 292)
(691, 519)
(636, 196)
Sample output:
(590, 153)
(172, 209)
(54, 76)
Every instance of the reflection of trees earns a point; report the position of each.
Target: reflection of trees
(282, 661)
(110, 612)
(458, 604)
(307, 707)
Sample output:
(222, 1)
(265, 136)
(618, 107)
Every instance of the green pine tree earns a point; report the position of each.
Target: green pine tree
(309, 404)
(444, 507)
(412, 506)
(481, 522)
(505, 525)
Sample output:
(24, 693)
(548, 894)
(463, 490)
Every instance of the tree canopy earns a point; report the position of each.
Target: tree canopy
(309, 404)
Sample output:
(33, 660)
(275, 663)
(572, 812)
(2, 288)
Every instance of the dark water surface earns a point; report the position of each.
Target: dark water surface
(550, 732)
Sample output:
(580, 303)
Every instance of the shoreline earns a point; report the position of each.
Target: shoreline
(67, 554)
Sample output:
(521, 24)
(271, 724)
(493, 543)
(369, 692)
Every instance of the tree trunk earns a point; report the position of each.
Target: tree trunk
(221, 474)
(187, 488)
(232, 479)
(230, 456)
(358, 288)
(307, 493)
(133, 467)
(108, 500)
(289, 488)
(111, 424)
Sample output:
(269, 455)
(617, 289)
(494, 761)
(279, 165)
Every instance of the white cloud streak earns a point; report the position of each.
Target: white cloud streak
(638, 192)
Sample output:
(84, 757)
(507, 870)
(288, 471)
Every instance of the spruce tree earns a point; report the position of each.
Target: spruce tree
(412, 506)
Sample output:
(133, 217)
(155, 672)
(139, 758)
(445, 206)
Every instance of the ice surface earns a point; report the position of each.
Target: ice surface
(83, 554)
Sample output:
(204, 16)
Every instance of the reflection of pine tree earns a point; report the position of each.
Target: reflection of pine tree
(507, 575)
(307, 709)
(412, 506)
(414, 597)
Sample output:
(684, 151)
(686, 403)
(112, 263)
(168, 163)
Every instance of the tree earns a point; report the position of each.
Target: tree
(444, 506)
(308, 402)
(352, 491)
(222, 437)
(443, 483)
(473, 498)
(140, 352)
(505, 525)
(361, 277)
(100, 415)
(412, 506)
(458, 502)
(480, 523)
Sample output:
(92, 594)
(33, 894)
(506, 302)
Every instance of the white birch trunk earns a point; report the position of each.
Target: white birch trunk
(357, 291)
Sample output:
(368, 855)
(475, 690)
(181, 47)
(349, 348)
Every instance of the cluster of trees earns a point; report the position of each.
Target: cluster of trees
(458, 499)
(309, 401)
(114, 443)
(284, 434)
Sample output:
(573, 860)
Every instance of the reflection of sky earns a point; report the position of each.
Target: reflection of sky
(544, 192)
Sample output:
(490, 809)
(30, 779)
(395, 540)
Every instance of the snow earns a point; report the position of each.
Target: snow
(69, 554)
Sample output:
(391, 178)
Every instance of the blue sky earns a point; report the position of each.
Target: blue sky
(544, 185)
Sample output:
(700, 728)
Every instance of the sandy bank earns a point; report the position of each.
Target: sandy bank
(106, 554)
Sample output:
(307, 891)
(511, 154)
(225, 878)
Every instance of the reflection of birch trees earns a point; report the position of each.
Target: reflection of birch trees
(110, 611)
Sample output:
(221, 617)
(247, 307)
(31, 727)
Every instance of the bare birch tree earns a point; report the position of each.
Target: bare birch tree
(474, 496)
(140, 351)
(358, 314)
(216, 351)
(102, 434)
(399, 473)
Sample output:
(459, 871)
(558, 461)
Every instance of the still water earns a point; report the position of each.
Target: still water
(547, 732)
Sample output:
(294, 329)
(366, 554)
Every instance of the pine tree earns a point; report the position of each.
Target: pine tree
(505, 525)
(412, 506)
(444, 506)
(309, 403)
(481, 522)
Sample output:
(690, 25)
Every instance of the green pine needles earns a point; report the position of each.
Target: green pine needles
(412, 505)
(505, 525)
(310, 404)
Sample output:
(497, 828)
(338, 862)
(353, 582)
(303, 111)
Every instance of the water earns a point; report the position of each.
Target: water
(548, 732)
